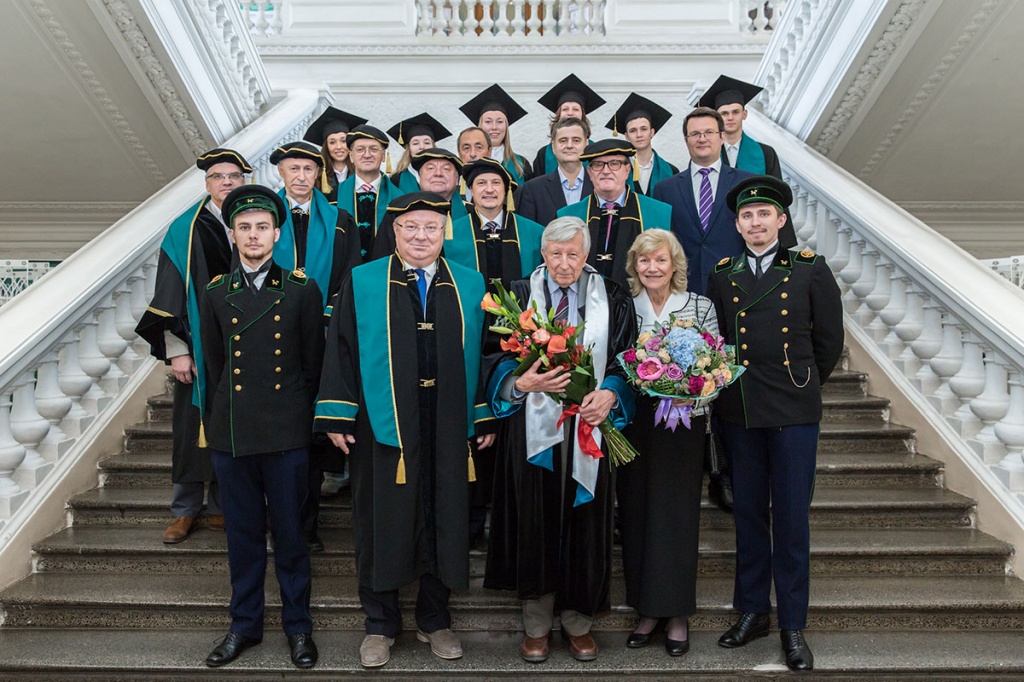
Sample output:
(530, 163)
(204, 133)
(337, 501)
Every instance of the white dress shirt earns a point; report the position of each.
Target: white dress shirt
(696, 177)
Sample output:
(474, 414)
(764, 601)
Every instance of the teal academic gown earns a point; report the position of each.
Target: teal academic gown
(515, 252)
(662, 169)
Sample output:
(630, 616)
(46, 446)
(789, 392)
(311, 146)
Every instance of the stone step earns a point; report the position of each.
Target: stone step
(898, 470)
(200, 600)
(41, 655)
(158, 407)
(848, 551)
(832, 507)
(845, 382)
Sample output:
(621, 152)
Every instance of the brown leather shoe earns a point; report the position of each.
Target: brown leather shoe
(216, 521)
(534, 649)
(179, 530)
(583, 647)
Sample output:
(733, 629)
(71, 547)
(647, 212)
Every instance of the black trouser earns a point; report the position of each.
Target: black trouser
(384, 616)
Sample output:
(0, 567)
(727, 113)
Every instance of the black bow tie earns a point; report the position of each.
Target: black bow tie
(250, 277)
(759, 259)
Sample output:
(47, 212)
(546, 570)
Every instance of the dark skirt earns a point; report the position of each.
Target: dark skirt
(659, 509)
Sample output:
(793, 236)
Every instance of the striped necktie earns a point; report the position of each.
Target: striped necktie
(562, 311)
(707, 200)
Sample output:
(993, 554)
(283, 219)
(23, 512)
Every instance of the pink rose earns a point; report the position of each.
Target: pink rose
(696, 385)
(653, 344)
(541, 336)
(650, 369)
(630, 356)
(673, 372)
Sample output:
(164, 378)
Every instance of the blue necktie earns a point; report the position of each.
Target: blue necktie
(706, 199)
(421, 282)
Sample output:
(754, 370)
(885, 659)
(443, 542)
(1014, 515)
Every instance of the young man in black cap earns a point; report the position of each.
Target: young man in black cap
(638, 119)
(416, 134)
(782, 311)
(614, 213)
(571, 97)
(195, 250)
(403, 348)
(542, 197)
(729, 97)
(330, 131)
(366, 194)
(263, 340)
(494, 111)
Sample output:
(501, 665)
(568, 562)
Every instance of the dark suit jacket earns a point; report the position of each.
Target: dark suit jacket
(787, 235)
(703, 249)
(540, 198)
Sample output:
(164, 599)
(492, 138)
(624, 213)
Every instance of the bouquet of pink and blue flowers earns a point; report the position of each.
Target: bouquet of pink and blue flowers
(679, 361)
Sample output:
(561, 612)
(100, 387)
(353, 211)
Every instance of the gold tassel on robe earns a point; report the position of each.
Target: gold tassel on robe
(202, 435)
(636, 170)
(387, 162)
(472, 466)
(615, 124)
(510, 205)
(325, 184)
(400, 140)
(449, 233)
(400, 474)
(462, 186)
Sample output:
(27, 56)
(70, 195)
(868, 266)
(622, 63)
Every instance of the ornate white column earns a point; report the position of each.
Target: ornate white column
(29, 428)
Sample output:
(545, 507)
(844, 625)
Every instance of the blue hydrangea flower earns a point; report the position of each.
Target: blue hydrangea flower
(682, 344)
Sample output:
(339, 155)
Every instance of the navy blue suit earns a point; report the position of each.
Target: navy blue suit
(703, 249)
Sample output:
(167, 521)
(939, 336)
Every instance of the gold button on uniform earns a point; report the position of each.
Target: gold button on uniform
(785, 312)
(277, 369)
(785, 295)
(746, 363)
(743, 330)
(743, 347)
(238, 353)
(277, 318)
(238, 387)
(785, 330)
(238, 338)
(785, 279)
(735, 299)
(277, 352)
(277, 335)
(234, 320)
(785, 345)
(277, 387)
(237, 371)
(743, 314)
(786, 363)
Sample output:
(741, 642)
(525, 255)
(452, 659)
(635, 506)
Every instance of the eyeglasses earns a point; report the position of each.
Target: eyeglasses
(706, 135)
(366, 151)
(220, 177)
(411, 229)
(614, 164)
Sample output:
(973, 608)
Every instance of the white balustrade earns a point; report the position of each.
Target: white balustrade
(60, 373)
(947, 327)
(264, 17)
(1011, 267)
(533, 20)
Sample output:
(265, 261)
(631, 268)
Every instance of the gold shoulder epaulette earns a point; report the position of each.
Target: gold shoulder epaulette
(297, 276)
(723, 264)
(724, 260)
(806, 256)
(216, 282)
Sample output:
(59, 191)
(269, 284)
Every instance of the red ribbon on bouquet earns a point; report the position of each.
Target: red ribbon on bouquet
(584, 431)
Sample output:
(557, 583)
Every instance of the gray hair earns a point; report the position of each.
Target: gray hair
(563, 230)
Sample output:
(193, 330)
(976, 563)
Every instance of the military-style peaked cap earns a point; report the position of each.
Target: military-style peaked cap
(253, 198)
(759, 189)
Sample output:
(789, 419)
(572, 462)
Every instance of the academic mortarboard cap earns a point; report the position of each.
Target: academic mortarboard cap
(728, 90)
(330, 122)
(420, 201)
(366, 132)
(221, 155)
(253, 198)
(488, 165)
(420, 124)
(296, 150)
(493, 98)
(635, 107)
(571, 89)
(759, 189)
(605, 147)
(435, 153)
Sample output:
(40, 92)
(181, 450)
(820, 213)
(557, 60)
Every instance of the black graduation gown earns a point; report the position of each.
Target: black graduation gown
(626, 226)
(393, 530)
(211, 256)
(537, 545)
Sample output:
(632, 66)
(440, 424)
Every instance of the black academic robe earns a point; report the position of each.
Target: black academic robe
(787, 327)
(211, 254)
(539, 541)
(263, 355)
(404, 528)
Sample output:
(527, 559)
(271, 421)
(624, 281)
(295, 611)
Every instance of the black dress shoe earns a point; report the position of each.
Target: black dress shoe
(720, 495)
(313, 542)
(229, 649)
(798, 654)
(675, 647)
(638, 640)
(749, 627)
(304, 652)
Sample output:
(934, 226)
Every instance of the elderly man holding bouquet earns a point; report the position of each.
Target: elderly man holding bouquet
(551, 526)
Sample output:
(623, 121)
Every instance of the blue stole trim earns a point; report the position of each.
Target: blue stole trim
(461, 248)
(653, 214)
(511, 168)
(459, 210)
(751, 156)
(336, 409)
(386, 191)
(323, 221)
(177, 244)
(661, 171)
(407, 183)
(550, 162)
(501, 408)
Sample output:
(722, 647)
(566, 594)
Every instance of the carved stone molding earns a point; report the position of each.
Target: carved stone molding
(50, 207)
(855, 95)
(92, 83)
(567, 48)
(124, 19)
(936, 79)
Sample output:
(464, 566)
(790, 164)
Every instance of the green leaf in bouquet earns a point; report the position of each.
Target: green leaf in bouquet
(665, 386)
(502, 330)
(526, 362)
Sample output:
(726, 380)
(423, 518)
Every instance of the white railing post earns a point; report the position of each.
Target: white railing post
(1010, 431)
(989, 407)
(11, 455)
(53, 405)
(29, 428)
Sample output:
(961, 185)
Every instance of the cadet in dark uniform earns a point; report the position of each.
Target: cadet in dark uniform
(263, 339)
(782, 310)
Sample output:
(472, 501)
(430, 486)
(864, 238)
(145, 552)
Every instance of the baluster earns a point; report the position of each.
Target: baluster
(827, 228)
(518, 18)
(149, 276)
(11, 455)
(863, 286)
(261, 20)
(968, 384)
(841, 256)
(53, 405)
(851, 273)
(1010, 430)
(893, 312)
(487, 23)
(501, 24)
(124, 323)
(946, 364)
(908, 329)
(549, 24)
(534, 23)
(991, 406)
(74, 383)
(29, 428)
(438, 23)
(470, 23)
(879, 296)
(94, 364)
(597, 10)
(277, 23)
(799, 211)
(925, 346)
(111, 345)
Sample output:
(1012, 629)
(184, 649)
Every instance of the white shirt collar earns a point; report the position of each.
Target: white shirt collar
(565, 179)
(498, 153)
(294, 204)
(500, 218)
(716, 166)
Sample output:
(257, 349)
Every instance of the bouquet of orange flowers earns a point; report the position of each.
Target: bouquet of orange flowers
(532, 336)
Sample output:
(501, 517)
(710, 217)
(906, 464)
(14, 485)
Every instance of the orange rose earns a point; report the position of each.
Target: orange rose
(489, 304)
(541, 336)
(526, 320)
(557, 344)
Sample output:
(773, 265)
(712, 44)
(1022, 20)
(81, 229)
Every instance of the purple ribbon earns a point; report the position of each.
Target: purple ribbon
(672, 415)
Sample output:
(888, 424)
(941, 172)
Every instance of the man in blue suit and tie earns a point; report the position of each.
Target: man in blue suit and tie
(704, 224)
